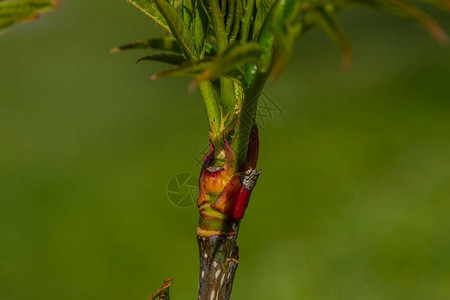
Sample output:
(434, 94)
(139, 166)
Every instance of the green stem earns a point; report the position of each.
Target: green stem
(227, 96)
(245, 28)
(219, 26)
(226, 85)
(246, 118)
(237, 21)
(209, 100)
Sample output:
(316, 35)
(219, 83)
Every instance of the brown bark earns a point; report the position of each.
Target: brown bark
(218, 263)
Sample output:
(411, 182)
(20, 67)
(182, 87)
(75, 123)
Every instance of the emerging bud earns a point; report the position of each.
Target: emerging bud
(233, 200)
(233, 187)
(213, 179)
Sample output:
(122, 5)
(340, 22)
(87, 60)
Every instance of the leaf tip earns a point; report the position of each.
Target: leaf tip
(440, 35)
(347, 62)
(193, 86)
(436, 31)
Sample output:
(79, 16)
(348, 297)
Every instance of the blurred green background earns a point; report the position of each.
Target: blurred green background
(354, 198)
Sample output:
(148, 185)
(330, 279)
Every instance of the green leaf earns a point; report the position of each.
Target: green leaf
(177, 27)
(165, 43)
(267, 41)
(235, 56)
(227, 99)
(187, 11)
(286, 32)
(246, 20)
(325, 18)
(262, 13)
(169, 58)
(17, 11)
(206, 9)
(210, 50)
(404, 10)
(188, 69)
(230, 16)
(200, 28)
(284, 13)
(219, 26)
(237, 21)
(149, 8)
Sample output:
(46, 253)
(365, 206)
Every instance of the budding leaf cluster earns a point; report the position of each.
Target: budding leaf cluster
(251, 32)
(230, 48)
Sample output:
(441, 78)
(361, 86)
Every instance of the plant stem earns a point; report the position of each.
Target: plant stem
(246, 22)
(226, 85)
(209, 100)
(219, 26)
(218, 263)
(246, 118)
(218, 252)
